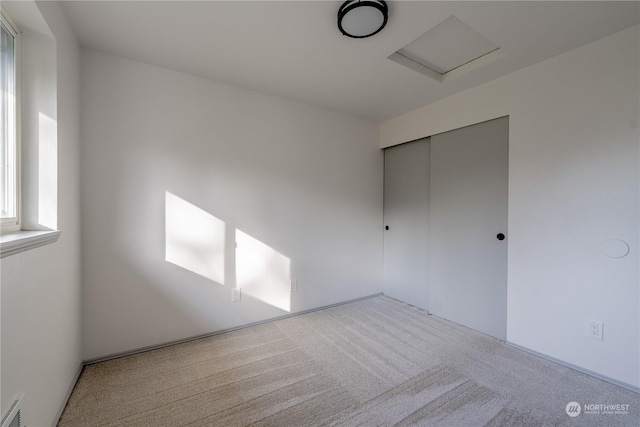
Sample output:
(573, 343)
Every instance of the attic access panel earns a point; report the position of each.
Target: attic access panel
(448, 50)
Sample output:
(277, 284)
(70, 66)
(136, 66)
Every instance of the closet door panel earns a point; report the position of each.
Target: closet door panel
(406, 211)
(468, 215)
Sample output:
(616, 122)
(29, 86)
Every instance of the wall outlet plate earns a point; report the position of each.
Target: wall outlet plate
(594, 329)
(294, 285)
(236, 294)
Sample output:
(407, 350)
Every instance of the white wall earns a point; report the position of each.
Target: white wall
(41, 325)
(304, 181)
(573, 183)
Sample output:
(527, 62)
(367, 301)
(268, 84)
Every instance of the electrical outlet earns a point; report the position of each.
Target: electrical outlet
(294, 285)
(236, 294)
(594, 329)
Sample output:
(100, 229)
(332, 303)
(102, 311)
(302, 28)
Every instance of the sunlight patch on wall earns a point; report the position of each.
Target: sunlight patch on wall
(262, 272)
(48, 172)
(195, 239)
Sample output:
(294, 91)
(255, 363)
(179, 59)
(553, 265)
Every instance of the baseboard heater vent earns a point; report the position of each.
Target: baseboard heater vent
(12, 418)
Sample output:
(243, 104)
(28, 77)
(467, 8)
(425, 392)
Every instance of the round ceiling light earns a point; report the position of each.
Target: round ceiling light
(360, 19)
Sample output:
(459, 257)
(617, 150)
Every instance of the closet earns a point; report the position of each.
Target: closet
(445, 212)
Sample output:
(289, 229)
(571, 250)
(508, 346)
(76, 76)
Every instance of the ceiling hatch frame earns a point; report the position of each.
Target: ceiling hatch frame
(436, 53)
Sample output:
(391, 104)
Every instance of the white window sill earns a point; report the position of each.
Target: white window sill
(20, 241)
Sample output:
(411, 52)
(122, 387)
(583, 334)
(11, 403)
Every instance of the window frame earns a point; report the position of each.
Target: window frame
(23, 233)
(14, 223)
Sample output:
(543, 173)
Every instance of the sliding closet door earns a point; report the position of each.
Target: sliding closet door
(468, 215)
(406, 210)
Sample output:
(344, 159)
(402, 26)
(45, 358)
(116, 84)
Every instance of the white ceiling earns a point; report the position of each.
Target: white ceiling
(293, 49)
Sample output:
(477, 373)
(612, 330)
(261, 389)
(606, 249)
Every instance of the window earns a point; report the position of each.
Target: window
(9, 179)
(28, 132)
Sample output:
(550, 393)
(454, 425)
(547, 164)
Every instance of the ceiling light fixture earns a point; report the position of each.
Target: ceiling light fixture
(362, 18)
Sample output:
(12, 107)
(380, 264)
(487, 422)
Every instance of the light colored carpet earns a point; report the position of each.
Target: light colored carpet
(376, 362)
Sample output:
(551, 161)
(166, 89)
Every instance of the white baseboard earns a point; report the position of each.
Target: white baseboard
(577, 368)
(167, 344)
(68, 395)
